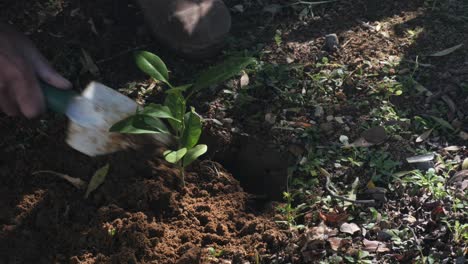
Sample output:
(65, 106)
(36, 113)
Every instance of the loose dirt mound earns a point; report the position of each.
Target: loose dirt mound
(139, 215)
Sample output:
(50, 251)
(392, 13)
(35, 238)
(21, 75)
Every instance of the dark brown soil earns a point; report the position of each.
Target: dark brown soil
(141, 214)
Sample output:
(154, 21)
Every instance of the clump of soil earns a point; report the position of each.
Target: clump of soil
(141, 214)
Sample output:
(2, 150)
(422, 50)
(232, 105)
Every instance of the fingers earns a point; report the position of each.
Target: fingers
(21, 90)
(45, 71)
(7, 105)
(28, 94)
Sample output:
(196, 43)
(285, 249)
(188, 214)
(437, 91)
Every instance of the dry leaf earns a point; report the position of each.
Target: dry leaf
(300, 124)
(446, 51)
(452, 148)
(375, 246)
(459, 179)
(424, 135)
(371, 184)
(335, 243)
(349, 228)
(436, 212)
(450, 103)
(321, 232)
(88, 64)
(76, 182)
(411, 219)
(244, 80)
(333, 218)
(97, 179)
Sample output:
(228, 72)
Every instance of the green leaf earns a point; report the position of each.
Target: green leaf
(194, 153)
(97, 179)
(222, 72)
(443, 123)
(139, 124)
(159, 111)
(152, 65)
(173, 156)
(192, 131)
(179, 89)
(150, 123)
(176, 103)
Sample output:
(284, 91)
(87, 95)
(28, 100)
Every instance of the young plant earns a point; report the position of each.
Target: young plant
(428, 180)
(172, 118)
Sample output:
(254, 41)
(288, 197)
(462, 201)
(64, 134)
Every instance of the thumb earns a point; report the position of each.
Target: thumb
(45, 71)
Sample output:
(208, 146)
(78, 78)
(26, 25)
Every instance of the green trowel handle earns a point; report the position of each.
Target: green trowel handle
(57, 99)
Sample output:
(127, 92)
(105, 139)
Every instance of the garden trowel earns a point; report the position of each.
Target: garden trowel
(91, 114)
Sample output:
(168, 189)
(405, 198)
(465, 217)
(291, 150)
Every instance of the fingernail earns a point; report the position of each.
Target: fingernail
(64, 83)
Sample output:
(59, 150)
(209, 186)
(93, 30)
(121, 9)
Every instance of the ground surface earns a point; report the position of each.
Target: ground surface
(292, 124)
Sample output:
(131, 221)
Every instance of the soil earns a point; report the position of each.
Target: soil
(141, 214)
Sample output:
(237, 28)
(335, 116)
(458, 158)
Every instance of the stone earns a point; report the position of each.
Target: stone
(331, 42)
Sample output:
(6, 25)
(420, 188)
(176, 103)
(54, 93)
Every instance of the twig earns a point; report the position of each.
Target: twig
(333, 194)
(76, 182)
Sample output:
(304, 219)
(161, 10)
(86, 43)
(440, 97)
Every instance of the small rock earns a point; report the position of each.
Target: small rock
(330, 118)
(331, 42)
(464, 135)
(228, 120)
(244, 80)
(375, 135)
(318, 111)
(383, 236)
(339, 119)
(270, 118)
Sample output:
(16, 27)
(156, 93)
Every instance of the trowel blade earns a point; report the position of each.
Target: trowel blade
(91, 117)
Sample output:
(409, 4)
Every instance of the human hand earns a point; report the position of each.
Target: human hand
(21, 67)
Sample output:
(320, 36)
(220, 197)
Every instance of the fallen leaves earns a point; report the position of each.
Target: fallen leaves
(424, 136)
(335, 243)
(333, 218)
(349, 228)
(375, 246)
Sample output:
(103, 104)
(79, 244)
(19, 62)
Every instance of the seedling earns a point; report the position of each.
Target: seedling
(215, 253)
(172, 117)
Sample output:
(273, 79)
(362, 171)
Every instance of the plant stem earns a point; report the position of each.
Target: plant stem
(182, 174)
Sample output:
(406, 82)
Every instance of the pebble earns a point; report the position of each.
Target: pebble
(339, 119)
(228, 120)
(464, 135)
(319, 111)
(270, 118)
(331, 42)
